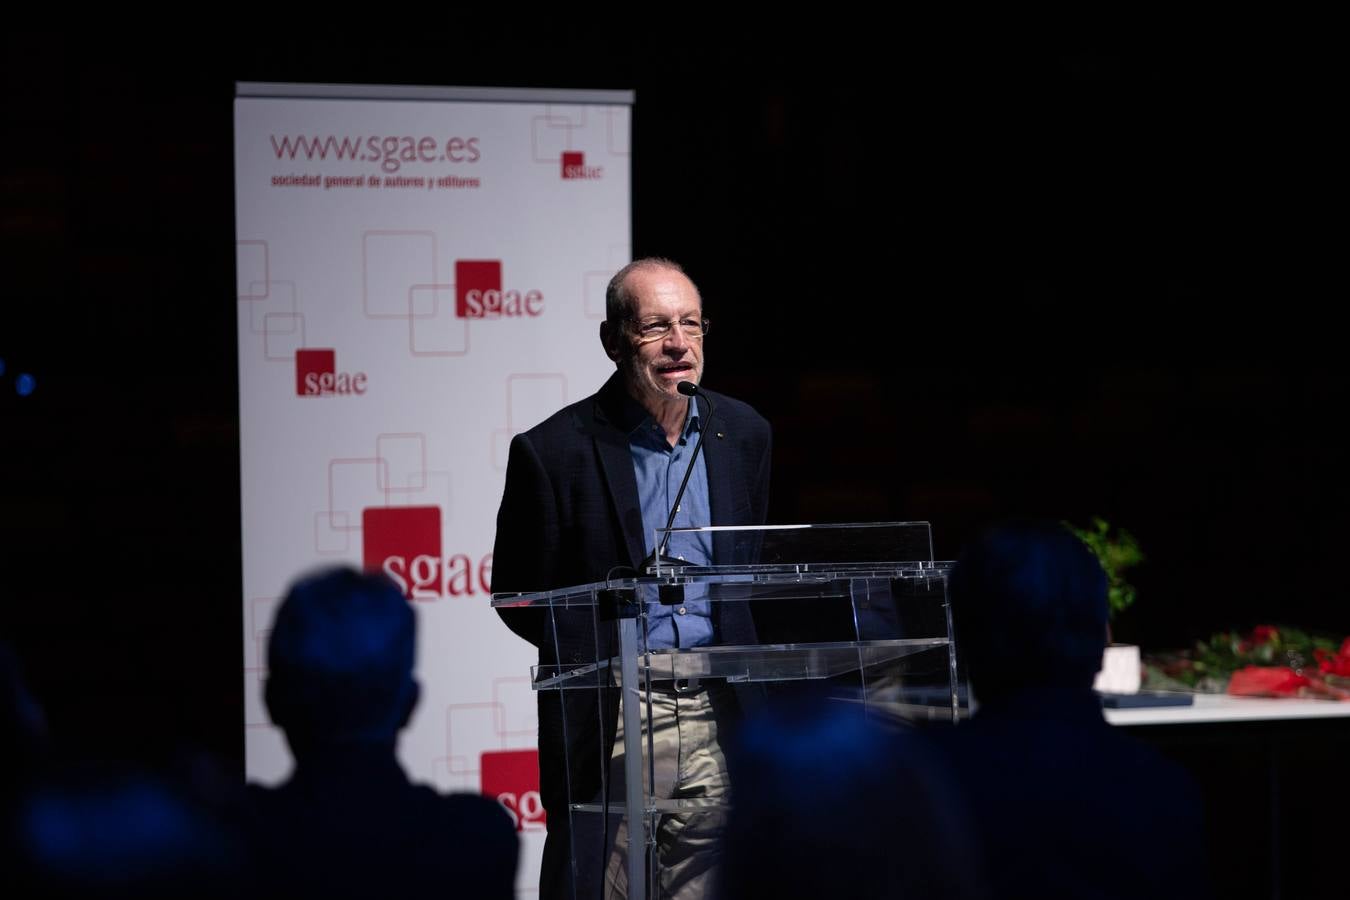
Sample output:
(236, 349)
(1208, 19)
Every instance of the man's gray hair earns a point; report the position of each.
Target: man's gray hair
(619, 299)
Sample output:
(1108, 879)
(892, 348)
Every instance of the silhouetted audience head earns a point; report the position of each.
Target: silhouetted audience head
(1029, 605)
(348, 822)
(1064, 803)
(340, 661)
(832, 802)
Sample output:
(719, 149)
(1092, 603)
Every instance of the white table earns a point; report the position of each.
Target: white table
(1223, 708)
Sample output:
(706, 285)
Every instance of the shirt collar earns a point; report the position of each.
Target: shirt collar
(635, 417)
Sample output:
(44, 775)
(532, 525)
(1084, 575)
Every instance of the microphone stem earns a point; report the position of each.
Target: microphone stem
(679, 495)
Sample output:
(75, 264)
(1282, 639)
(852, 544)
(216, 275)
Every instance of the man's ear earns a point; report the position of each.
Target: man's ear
(609, 339)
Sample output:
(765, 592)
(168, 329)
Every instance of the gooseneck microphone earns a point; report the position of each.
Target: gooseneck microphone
(689, 389)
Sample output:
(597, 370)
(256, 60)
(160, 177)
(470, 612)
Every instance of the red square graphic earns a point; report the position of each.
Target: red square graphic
(310, 367)
(478, 288)
(405, 543)
(573, 163)
(511, 777)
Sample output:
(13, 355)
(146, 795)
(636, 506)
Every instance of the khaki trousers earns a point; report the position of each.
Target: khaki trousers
(688, 763)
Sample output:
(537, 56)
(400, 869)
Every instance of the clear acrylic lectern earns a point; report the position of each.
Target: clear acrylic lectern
(858, 610)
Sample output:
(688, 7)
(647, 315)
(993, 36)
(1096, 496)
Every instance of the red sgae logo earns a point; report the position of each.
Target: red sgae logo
(511, 777)
(316, 375)
(310, 366)
(479, 294)
(574, 166)
(404, 542)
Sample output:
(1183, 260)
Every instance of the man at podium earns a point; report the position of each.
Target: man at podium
(585, 491)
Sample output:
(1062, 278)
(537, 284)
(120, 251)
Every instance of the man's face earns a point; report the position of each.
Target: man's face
(653, 366)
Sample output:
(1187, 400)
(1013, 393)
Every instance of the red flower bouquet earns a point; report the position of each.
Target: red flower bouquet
(1268, 661)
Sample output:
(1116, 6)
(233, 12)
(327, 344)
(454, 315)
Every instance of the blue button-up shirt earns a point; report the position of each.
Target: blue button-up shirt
(660, 468)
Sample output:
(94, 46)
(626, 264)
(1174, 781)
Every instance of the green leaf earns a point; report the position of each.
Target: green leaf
(1116, 553)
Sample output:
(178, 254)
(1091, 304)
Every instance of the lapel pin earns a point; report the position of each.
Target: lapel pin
(719, 434)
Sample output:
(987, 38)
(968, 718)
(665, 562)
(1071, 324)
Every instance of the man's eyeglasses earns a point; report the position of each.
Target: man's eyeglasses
(657, 329)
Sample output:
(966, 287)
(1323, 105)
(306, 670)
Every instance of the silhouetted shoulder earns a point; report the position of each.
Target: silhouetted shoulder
(1064, 800)
(480, 817)
(352, 842)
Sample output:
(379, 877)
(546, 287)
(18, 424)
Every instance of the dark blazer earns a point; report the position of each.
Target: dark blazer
(570, 515)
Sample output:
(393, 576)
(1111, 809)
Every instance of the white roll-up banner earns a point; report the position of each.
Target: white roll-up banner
(421, 274)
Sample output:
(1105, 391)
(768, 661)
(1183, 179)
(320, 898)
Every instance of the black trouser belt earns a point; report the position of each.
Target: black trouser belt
(677, 687)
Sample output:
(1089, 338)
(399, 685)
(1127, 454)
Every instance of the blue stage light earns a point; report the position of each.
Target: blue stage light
(25, 384)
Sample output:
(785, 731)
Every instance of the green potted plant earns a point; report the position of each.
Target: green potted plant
(1117, 551)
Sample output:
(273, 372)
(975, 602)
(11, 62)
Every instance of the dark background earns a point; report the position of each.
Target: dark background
(965, 277)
